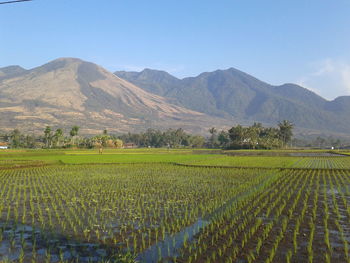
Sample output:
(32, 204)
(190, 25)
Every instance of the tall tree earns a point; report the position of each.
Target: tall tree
(196, 141)
(29, 141)
(15, 138)
(213, 140)
(285, 131)
(73, 133)
(47, 136)
(58, 136)
(236, 135)
(223, 138)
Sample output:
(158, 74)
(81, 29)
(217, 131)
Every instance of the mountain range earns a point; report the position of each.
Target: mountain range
(233, 93)
(70, 91)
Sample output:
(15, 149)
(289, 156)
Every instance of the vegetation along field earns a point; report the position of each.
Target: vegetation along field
(164, 205)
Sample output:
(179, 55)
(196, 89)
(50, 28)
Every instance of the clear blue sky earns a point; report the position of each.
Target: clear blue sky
(301, 41)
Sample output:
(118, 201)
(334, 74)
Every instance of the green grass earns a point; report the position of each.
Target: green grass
(249, 161)
(108, 156)
(115, 158)
(145, 155)
(128, 158)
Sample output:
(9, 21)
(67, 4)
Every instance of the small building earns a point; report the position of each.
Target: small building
(4, 145)
(129, 145)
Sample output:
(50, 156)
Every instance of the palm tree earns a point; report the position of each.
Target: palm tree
(74, 132)
(58, 136)
(213, 138)
(285, 131)
(48, 136)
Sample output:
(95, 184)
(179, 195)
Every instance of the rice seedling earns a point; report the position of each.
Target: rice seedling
(255, 214)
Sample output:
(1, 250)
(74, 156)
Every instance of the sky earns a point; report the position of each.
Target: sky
(306, 42)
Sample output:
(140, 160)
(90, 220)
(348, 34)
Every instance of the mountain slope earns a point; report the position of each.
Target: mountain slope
(11, 71)
(69, 91)
(232, 93)
(154, 81)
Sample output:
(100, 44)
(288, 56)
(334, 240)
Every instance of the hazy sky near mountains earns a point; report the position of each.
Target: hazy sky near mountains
(302, 41)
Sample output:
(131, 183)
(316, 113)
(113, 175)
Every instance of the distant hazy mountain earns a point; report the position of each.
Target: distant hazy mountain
(232, 93)
(69, 91)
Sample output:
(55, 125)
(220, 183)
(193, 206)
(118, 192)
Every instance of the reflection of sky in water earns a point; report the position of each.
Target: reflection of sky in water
(47, 245)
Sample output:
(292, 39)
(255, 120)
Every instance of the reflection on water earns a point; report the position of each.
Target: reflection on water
(24, 244)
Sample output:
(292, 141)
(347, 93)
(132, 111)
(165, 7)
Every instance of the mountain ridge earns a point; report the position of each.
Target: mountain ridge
(233, 93)
(70, 91)
(11, 71)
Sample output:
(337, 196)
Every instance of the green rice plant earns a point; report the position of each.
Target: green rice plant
(309, 246)
(21, 256)
(289, 256)
(147, 203)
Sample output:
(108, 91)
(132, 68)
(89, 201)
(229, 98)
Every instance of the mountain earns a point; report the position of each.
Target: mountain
(11, 71)
(234, 94)
(69, 91)
(154, 81)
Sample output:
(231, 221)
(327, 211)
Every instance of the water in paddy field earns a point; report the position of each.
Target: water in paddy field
(18, 242)
(168, 248)
(25, 242)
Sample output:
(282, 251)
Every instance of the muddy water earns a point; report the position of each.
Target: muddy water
(20, 242)
(168, 247)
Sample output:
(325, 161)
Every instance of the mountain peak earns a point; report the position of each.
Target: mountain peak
(157, 73)
(155, 81)
(57, 64)
(75, 91)
(11, 70)
(67, 60)
(70, 91)
(231, 93)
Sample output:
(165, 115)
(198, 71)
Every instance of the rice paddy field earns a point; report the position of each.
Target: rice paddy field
(147, 205)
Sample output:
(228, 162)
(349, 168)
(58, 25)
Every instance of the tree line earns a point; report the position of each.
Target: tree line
(253, 137)
(57, 139)
(170, 138)
(237, 137)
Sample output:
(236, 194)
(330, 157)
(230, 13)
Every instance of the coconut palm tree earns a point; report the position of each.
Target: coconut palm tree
(285, 131)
